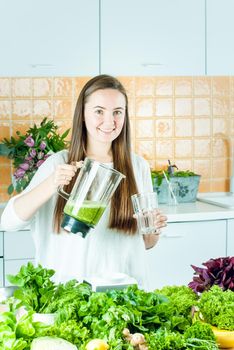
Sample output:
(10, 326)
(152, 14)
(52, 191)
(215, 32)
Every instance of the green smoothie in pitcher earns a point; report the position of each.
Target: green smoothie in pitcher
(89, 213)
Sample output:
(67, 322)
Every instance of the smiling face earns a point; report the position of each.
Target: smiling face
(104, 115)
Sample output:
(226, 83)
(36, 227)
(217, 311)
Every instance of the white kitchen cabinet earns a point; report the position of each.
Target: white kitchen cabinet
(220, 44)
(230, 238)
(12, 267)
(18, 245)
(1, 272)
(1, 244)
(44, 38)
(1, 259)
(181, 245)
(18, 250)
(153, 37)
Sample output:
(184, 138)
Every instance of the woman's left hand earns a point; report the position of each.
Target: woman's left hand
(160, 221)
(151, 239)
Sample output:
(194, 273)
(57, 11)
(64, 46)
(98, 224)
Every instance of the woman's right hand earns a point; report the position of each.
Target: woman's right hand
(64, 173)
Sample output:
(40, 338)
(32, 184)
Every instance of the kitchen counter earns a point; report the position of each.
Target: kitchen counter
(197, 211)
(195, 233)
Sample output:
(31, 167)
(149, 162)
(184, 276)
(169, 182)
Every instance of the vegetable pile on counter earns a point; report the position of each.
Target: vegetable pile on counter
(128, 319)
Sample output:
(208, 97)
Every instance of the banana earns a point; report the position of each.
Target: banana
(225, 339)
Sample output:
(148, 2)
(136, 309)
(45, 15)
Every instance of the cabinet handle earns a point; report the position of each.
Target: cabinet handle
(167, 235)
(41, 65)
(151, 64)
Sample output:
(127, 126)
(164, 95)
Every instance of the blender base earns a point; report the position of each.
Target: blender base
(75, 226)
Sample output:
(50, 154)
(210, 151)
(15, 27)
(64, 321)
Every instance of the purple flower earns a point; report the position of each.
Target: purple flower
(19, 173)
(24, 166)
(39, 163)
(42, 145)
(29, 141)
(40, 155)
(47, 156)
(28, 158)
(32, 164)
(33, 153)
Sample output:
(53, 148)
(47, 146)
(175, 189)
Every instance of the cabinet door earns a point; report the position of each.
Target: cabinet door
(12, 267)
(18, 245)
(220, 44)
(1, 272)
(181, 245)
(44, 38)
(153, 37)
(230, 238)
(1, 244)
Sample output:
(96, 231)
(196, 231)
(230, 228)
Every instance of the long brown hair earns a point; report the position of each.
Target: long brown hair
(121, 212)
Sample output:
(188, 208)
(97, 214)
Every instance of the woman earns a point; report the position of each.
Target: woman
(101, 131)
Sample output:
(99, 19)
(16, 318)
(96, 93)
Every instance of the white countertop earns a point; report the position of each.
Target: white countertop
(197, 211)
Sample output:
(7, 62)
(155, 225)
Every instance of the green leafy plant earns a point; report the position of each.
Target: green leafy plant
(180, 173)
(29, 151)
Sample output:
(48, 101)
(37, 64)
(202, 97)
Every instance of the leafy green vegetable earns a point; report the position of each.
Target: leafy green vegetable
(67, 299)
(72, 331)
(199, 330)
(36, 288)
(198, 336)
(8, 336)
(217, 307)
(178, 314)
(181, 297)
(164, 316)
(165, 340)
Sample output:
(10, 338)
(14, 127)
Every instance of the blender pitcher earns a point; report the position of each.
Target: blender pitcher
(89, 197)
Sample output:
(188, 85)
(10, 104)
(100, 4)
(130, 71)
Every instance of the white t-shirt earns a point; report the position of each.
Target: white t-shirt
(103, 252)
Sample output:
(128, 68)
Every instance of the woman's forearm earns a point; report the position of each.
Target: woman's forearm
(27, 205)
(150, 240)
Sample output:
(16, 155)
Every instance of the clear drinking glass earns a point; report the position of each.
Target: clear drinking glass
(144, 205)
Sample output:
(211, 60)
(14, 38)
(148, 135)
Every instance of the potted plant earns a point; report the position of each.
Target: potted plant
(29, 151)
(185, 183)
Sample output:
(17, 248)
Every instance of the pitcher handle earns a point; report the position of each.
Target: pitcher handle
(60, 189)
(62, 193)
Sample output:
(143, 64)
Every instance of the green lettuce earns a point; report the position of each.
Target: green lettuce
(217, 307)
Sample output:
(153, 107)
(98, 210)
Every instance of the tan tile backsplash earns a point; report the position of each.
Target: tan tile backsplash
(189, 120)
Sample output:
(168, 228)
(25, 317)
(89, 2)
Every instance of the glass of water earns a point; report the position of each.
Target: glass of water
(144, 206)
